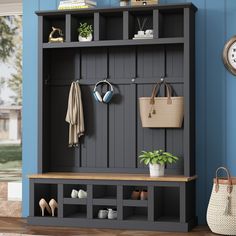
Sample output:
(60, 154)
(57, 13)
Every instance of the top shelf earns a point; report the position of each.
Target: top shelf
(173, 6)
(111, 26)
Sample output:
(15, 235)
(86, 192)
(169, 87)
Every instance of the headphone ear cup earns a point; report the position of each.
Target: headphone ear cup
(97, 96)
(107, 97)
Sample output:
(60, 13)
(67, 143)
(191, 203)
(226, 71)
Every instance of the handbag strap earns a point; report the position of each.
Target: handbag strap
(156, 89)
(229, 179)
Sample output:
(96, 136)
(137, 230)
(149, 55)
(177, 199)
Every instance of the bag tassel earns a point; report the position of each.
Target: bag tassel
(227, 211)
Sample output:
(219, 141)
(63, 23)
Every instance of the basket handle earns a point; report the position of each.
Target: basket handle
(156, 89)
(230, 185)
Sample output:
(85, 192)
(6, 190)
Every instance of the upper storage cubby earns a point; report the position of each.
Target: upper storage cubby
(111, 26)
(140, 21)
(76, 20)
(57, 21)
(171, 23)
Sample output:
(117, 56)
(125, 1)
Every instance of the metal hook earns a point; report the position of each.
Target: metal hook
(162, 80)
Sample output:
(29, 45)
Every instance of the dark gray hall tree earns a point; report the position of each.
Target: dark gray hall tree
(114, 135)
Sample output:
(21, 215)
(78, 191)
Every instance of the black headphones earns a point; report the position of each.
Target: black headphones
(108, 95)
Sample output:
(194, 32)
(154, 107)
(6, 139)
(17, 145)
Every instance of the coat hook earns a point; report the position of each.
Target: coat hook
(162, 79)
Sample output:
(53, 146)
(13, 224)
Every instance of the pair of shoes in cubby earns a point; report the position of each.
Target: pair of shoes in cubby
(139, 195)
(50, 207)
(78, 194)
(109, 213)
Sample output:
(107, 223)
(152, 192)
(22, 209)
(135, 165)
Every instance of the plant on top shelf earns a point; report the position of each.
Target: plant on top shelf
(85, 32)
(157, 160)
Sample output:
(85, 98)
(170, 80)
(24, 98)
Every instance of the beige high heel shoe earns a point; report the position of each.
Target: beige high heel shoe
(53, 204)
(43, 204)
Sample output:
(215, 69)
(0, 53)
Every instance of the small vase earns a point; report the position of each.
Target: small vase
(84, 39)
(156, 170)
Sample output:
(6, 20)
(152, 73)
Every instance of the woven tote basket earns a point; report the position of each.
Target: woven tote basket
(161, 112)
(221, 212)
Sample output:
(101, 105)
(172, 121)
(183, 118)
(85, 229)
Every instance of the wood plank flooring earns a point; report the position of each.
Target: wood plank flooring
(19, 226)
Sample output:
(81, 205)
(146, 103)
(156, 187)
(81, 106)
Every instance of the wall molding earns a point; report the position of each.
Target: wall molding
(10, 7)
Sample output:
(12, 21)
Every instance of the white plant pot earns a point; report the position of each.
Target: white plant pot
(88, 39)
(156, 170)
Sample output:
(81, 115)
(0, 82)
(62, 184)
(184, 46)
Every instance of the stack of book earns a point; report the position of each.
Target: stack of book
(76, 4)
(143, 2)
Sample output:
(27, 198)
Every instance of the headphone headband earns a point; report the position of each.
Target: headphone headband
(103, 82)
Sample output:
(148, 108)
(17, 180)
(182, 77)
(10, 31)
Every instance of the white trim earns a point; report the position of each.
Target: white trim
(10, 7)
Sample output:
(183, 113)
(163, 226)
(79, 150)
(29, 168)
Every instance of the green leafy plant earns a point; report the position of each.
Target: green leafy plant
(157, 157)
(85, 30)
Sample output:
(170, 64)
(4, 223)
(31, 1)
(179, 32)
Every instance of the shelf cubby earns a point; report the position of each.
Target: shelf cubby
(57, 21)
(127, 191)
(46, 191)
(135, 213)
(104, 192)
(76, 19)
(171, 23)
(75, 211)
(167, 204)
(111, 26)
(69, 187)
(96, 209)
(142, 16)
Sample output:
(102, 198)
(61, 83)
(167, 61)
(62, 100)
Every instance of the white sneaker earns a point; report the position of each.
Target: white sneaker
(112, 214)
(74, 193)
(82, 194)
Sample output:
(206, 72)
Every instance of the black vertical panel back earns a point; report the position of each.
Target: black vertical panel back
(122, 62)
(150, 62)
(94, 63)
(62, 157)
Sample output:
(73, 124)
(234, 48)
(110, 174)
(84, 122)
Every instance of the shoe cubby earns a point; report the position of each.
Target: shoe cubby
(167, 204)
(75, 211)
(105, 192)
(76, 20)
(57, 21)
(171, 23)
(135, 213)
(46, 191)
(142, 18)
(97, 208)
(69, 187)
(111, 26)
(135, 191)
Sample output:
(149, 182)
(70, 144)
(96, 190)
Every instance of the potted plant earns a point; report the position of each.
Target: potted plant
(157, 160)
(85, 32)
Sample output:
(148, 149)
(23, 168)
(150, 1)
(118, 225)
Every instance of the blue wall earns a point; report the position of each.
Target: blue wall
(215, 89)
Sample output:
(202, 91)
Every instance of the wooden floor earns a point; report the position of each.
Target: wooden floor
(19, 226)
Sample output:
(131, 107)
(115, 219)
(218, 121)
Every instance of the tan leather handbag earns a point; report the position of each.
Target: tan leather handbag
(161, 112)
(221, 211)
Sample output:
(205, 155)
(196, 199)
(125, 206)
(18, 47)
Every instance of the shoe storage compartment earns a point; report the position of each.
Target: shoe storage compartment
(105, 192)
(47, 192)
(164, 204)
(167, 204)
(96, 209)
(135, 213)
(75, 211)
